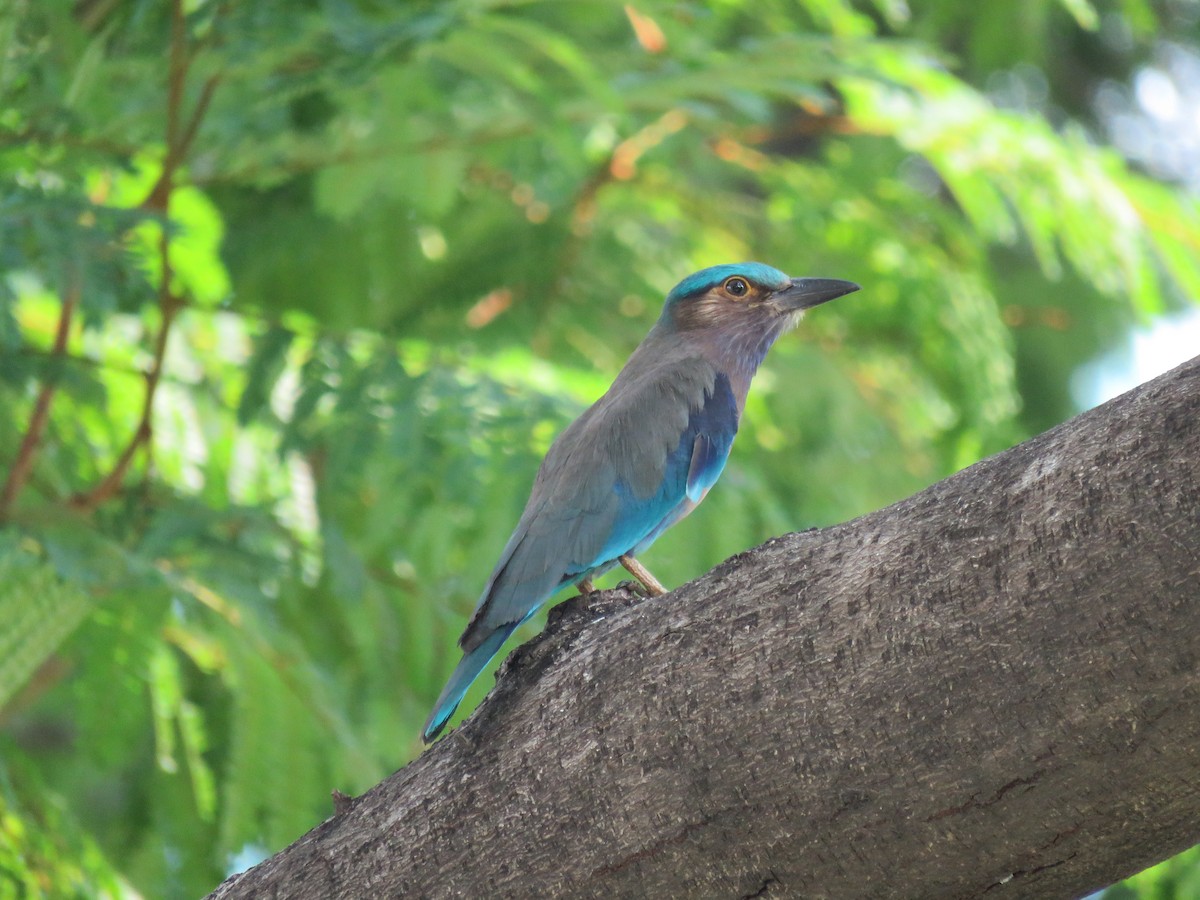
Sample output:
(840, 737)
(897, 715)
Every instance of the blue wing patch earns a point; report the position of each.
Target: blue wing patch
(714, 427)
(708, 460)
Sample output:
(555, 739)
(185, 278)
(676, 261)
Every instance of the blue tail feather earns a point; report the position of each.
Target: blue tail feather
(465, 672)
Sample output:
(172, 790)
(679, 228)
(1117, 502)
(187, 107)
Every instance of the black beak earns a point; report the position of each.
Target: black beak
(805, 293)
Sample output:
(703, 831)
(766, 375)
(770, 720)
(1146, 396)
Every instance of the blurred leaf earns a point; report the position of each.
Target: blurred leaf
(266, 365)
(39, 611)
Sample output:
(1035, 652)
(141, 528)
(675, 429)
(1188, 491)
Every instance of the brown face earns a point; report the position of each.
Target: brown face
(735, 302)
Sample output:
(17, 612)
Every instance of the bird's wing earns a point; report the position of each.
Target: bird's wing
(627, 469)
(693, 467)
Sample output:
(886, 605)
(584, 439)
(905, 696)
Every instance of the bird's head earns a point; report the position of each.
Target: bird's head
(746, 305)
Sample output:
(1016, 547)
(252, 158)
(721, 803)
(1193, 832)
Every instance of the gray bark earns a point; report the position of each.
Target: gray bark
(988, 688)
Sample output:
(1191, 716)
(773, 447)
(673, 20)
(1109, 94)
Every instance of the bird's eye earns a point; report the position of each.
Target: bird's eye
(736, 287)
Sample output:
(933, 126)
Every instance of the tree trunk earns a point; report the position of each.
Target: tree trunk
(988, 688)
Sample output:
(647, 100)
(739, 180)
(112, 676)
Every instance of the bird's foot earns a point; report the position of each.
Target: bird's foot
(586, 589)
(652, 585)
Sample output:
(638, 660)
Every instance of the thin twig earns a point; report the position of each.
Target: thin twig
(193, 125)
(159, 198)
(108, 487)
(177, 69)
(27, 453)
(156, 199)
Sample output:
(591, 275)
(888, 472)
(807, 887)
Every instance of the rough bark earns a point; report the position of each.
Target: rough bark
(988, 688)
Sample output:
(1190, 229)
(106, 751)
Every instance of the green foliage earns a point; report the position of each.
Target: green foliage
(1178, 877)
(43, 853)
(300, 294)
(39, 610)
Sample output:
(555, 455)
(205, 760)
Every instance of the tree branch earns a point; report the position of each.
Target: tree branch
(989, 688)
(18, 475)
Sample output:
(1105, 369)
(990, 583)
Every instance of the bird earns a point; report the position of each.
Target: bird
(641, 457)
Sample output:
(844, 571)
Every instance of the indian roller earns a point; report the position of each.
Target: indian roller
(641, 457)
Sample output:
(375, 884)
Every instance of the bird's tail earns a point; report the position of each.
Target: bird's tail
(465, 672)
